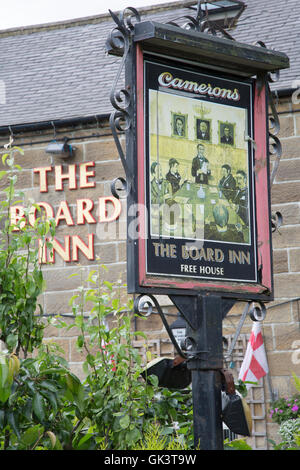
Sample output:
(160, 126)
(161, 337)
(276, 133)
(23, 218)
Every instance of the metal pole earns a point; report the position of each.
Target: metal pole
(204, 332)
(207, 408)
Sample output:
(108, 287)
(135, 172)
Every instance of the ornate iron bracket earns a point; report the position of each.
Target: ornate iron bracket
(144, 308)
(257, 312)
(118, 43)
(201, 23)
(275, 147)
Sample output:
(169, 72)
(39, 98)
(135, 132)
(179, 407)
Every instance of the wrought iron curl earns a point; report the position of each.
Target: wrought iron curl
(119, 41)
(145, 305)
(275, 147)
(258, 311)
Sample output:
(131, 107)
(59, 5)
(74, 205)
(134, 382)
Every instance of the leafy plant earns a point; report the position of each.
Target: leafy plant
(241, 387)
(20, 273)
(33, 391)
(237, 444)
(289, 431)
(154, 439)
(121, 404)
(285, 409)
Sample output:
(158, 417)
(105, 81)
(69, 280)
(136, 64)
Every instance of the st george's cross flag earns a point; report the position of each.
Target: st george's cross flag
(255, 365)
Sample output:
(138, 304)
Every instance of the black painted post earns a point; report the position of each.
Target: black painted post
(206, 337)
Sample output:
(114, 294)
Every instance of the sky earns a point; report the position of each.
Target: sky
(16, 13)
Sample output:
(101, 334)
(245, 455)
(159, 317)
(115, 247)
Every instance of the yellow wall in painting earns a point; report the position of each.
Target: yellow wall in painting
(185, 150)
(165, 145)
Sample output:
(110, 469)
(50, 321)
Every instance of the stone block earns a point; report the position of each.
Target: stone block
(76, 369)
(297, 125)
(285, 192)
(288, 170)
(280, 364)
(290, 212)
(58, 302)
(278, 312)
(294, 259)
(286, 237)
(33, 158)
(285, 336)
(58, 279)
(108, 171)
(287, 285)
(101, 150)
(24, 180)
(280, 261)
(290, 147)
(287, 128)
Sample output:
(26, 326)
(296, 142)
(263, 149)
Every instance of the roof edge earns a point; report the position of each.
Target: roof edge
(93, 19)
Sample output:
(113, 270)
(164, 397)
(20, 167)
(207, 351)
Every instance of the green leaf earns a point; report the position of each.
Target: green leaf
(31, 435)
(38, 407)
(12, 422)
(2, 419)
(4, 157)
(48, 385)
(124, 422)
(297, 381)
(84, 440)
(140, 333)
(80, 341)
(72, 299)
(53, 370)
(12, 341)
(4, 369)
(5, 393)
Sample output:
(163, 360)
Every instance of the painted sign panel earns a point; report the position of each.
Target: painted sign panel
(198, 167)
(197, 181)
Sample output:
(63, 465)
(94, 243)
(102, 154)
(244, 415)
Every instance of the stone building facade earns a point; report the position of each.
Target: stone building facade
(57, 85)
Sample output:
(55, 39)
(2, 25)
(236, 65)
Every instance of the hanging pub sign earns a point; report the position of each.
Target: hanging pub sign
(199, 207)
(197, 169)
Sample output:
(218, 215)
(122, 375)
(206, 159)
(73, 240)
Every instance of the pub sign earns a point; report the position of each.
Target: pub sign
(200, 172)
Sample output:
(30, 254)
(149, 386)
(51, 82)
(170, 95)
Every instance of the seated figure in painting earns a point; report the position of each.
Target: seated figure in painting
(220, 229)
(240, 199)
(161, 189)
(227, 184)
(173, 175)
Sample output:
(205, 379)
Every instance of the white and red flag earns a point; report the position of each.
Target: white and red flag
(255, 364)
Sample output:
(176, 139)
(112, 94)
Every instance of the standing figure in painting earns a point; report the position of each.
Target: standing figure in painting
(227, 184)
(173, 175)
(160, 188)
(200, 166)
(241, 198)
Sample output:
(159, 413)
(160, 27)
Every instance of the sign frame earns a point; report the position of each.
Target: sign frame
(216, 57)
(262, 287)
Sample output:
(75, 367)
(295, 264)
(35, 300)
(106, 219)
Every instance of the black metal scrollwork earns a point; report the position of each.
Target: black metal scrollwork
(275, 147)
(118, 42)
(201, 23)
(144, 305)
